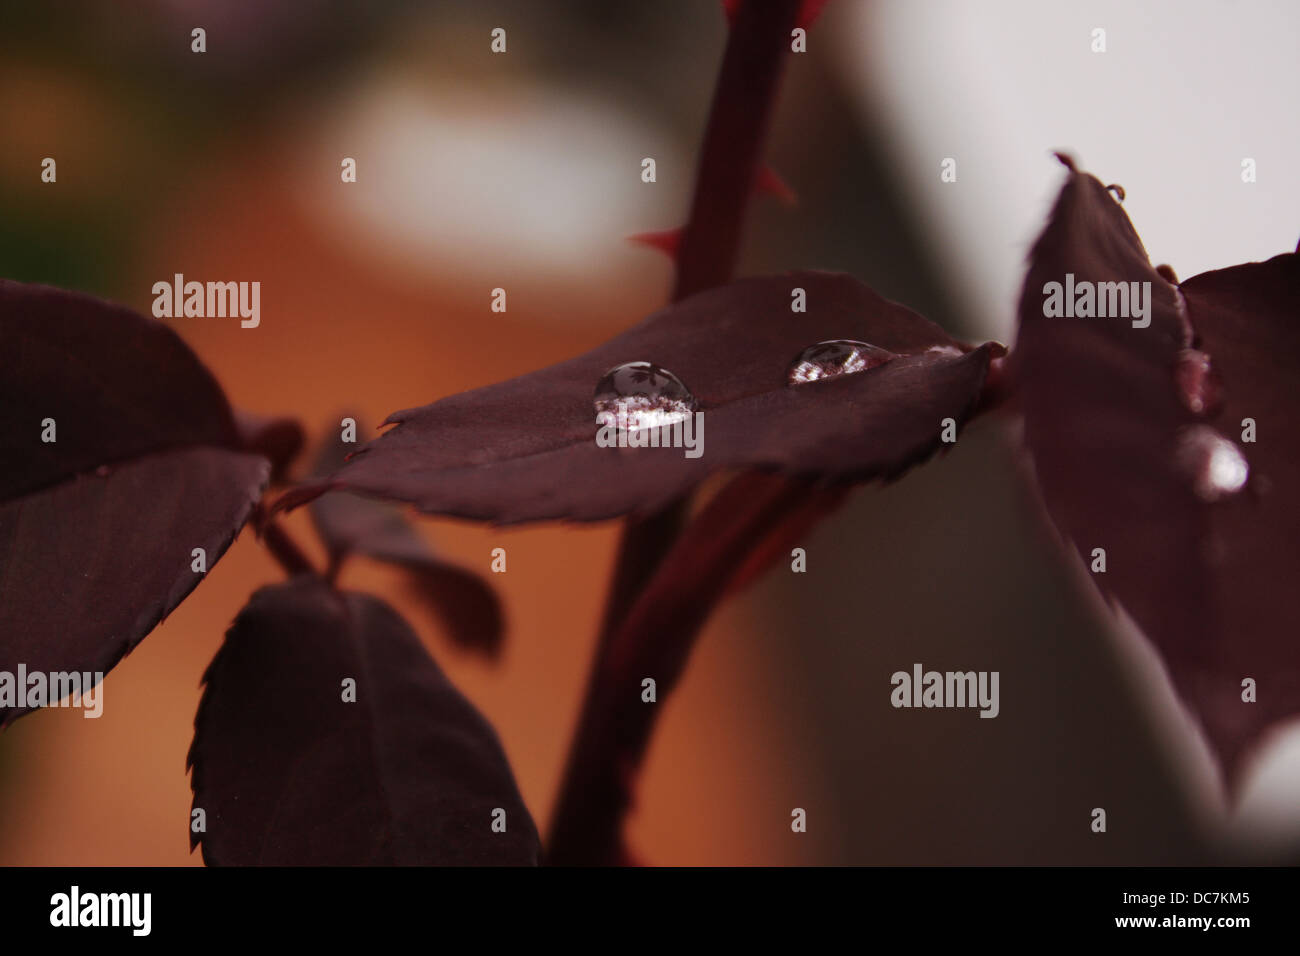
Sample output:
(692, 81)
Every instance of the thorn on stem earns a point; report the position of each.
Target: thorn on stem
(667, 241)
(770, 184)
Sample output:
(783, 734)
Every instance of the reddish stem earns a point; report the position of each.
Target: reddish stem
(282, 546)
(731, 154)
(716, 552)
(595, 791)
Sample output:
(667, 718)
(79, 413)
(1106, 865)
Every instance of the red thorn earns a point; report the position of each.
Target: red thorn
(1066, 160)
(770, 184)
(667, 241)
(809, 11)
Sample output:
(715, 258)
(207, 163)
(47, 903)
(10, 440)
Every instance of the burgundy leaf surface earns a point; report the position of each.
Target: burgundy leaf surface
(1247, 318)
(1107, 425)
(525, 449)
(117, 385)
(90, 566)
(99, 526)
(350, 524)
(289, 773)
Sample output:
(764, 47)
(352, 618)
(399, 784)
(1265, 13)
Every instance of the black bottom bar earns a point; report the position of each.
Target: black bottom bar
(330, 905)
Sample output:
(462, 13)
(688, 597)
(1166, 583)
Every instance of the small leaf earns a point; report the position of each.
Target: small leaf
(98, 526)
(1206, 581)
(291, 773)
(350, 524)
(278, 439)
(525, 449)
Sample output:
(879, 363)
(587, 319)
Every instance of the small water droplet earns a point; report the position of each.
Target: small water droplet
(1215, 465)
(834, 358)
(1199, 385)
(949, 350)
(646, 394)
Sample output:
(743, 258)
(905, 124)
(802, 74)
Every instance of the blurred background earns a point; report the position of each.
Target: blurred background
(522, 171)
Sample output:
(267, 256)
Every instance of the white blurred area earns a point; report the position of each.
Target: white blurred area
(1184, 92)
(475, 183)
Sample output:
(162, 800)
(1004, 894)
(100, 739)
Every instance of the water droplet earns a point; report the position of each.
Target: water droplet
(952, 350)
(834, 358)
(1199, 385)
(642, 395)
(1184, 320)
(1216, 466)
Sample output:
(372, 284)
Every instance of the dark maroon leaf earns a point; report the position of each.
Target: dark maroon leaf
(116, 384)
(525, 449)
(98, 528)
(277, 439)
(350, 524)
(1107, 426)
(91, 565)
(288, 772)
(1247, 319)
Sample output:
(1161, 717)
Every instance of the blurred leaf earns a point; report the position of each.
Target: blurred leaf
(97, 528)
(349, 524)
(1106, 424)
(289, 773)
(279, 439)
(524, 449)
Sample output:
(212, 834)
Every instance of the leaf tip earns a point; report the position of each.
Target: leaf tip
(1066, 160)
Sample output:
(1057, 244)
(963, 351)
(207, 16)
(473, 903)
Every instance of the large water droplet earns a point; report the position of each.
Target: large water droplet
(1216, 466)
(642, 395)
(1199, 385)
(834, 358)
